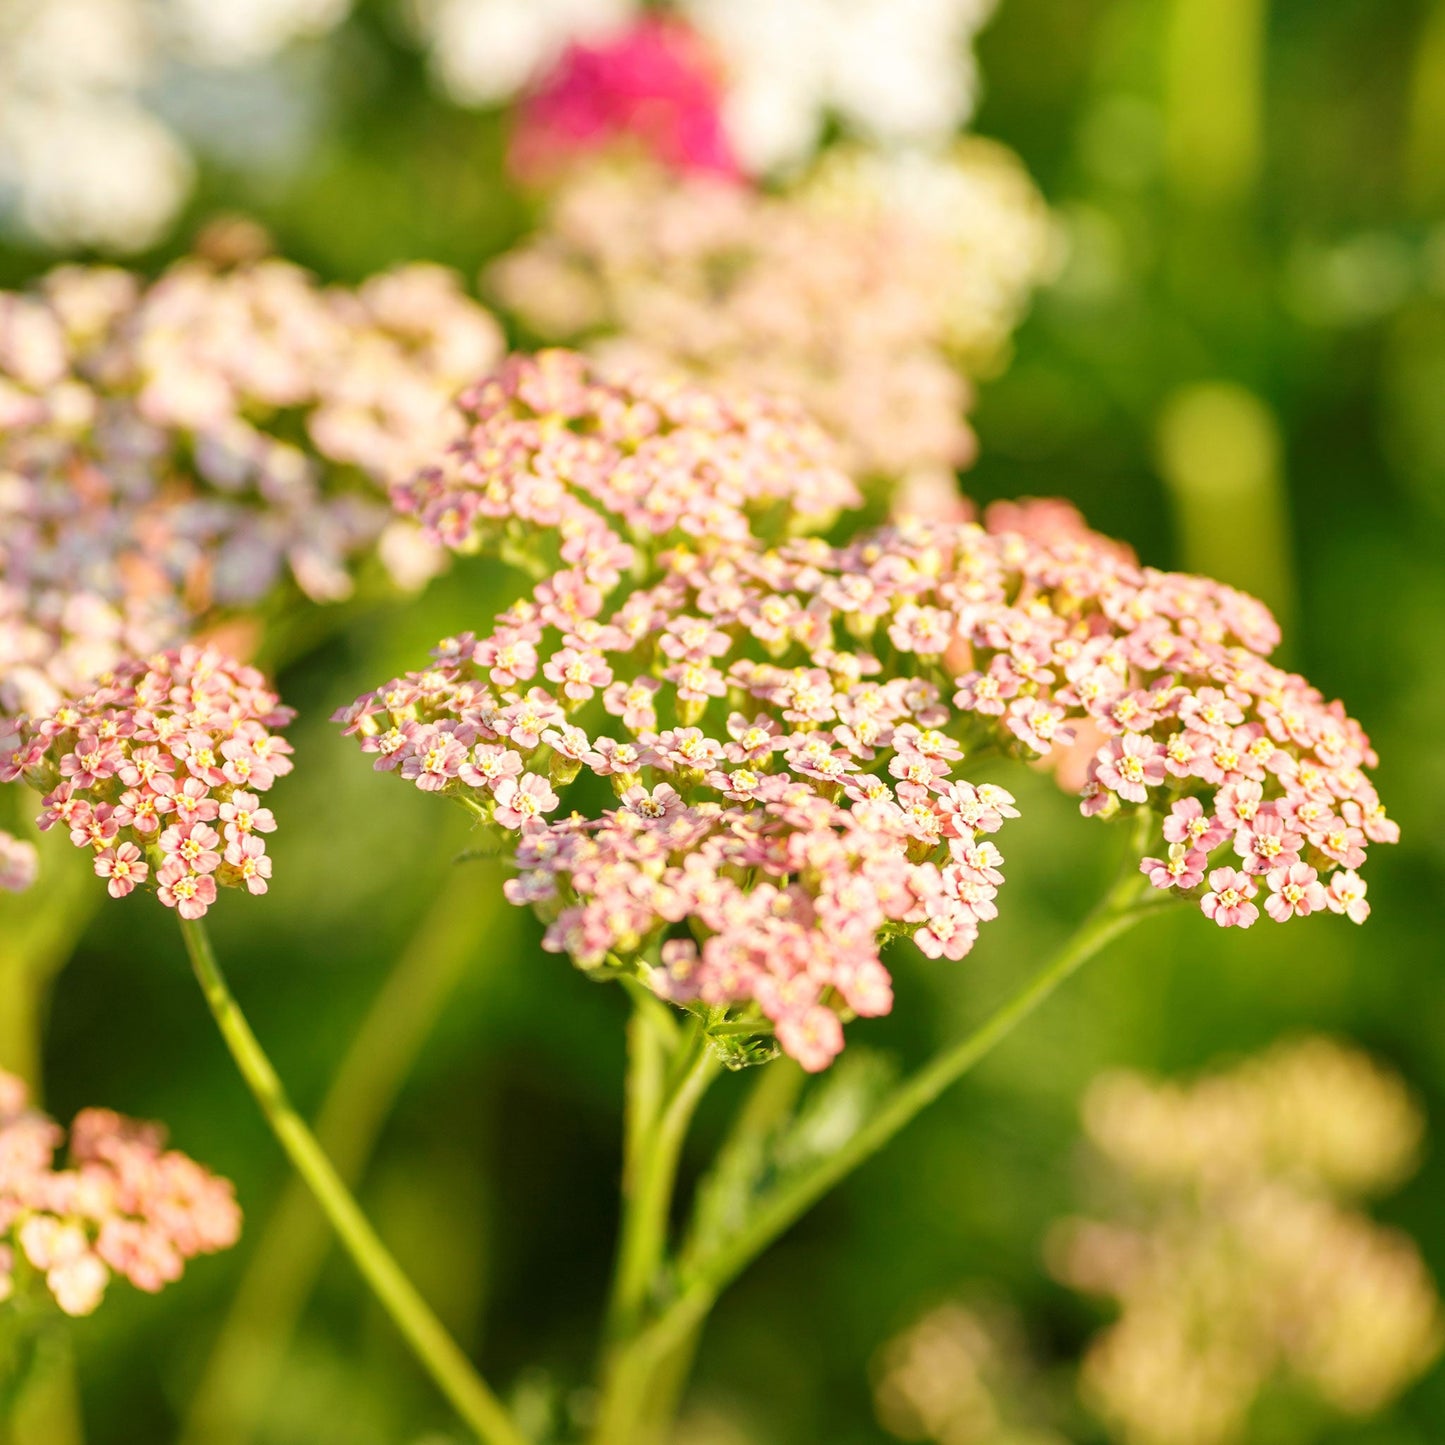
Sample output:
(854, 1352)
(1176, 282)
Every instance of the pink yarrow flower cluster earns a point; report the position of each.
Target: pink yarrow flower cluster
(206, 437)
(582, 469)
(782, 728)
(157, 773)
(654, 86)
(775, 820)
(124, 1205)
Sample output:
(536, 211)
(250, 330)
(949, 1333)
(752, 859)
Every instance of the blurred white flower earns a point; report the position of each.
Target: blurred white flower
(87, 157)
(92, 171)
(231, 33)
(73, 46)
(893, 71)
(484, 51)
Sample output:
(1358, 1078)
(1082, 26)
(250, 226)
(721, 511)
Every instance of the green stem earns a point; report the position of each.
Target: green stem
(434, 1348)
(38, 932)
(659, 1110)
(286, 1262)
(721, 1201)
(673, 1327)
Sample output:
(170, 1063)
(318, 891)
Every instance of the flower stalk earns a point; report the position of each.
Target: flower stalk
(286, 1260)
(669, 1070)
(434, 1348)
(645, 1362)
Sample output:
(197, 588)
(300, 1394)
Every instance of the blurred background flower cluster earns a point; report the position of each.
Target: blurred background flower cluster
(1180, 262)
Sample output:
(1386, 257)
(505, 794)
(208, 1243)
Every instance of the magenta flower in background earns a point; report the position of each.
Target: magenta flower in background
(654, 86)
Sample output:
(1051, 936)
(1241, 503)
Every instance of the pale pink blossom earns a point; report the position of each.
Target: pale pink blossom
(522, 800)
(1294, 890)
(1346, 894)
(123, 1205)
(1130, 766)
(124, 867)
(1227, 901)
(186, 714)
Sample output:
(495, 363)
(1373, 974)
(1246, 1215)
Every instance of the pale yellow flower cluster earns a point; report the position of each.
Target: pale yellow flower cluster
(956, 1377)
(1235, 1249)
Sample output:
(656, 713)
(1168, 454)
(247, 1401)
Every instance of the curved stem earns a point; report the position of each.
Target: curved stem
(434, 1348)
(286, 1261)
(673, 1326)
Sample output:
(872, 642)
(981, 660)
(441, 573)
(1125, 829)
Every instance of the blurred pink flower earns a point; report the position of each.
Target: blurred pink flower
(654, 86)
(124, 1204)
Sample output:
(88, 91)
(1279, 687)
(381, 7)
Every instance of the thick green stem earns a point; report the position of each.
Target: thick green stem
(659, 1110)
(434, 1348)
(38, 932)
(673, 1328)
(286, 1262)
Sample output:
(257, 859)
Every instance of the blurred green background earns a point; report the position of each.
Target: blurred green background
(1241, 370)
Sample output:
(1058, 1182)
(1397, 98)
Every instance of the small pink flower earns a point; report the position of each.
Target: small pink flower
(660, 802)
(578, 673)
(1130, 766)
(947, 935)
(194, 802)
(247, 860)
(1267, 844)
(519, 802)
(125, 868)
(196, 845)
(1294, 890)
(242, 813)
(1227, 901)
(242, 768)
(1346, 894)
(190, 894)
(1189, 823)
(489, 765)
(434, 757)
(814, 1037)
(1183, 869)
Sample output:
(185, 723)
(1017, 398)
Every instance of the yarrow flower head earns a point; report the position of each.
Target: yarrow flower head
(784, 727)
(124, 1205)
(172, 452)
(653, 85)
(156, 773)
(220, 429)
(588, 467)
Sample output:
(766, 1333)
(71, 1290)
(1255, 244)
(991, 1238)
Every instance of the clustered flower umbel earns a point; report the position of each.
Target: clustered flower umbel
(124, 1205)
(1236, 1249)
(171, 452)
(783, 727)
(207, 434)
(156, 773)
(732, 286)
